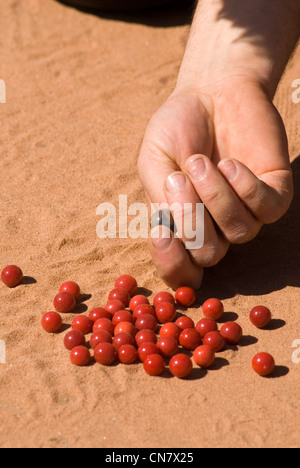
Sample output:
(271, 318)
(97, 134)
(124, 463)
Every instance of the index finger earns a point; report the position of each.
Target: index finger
(172, 261)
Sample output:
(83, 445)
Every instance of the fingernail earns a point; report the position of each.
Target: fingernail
(175, 182)
(197, 169)
(229, 169)
(161, 238)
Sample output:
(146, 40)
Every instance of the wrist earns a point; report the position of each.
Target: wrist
(235, 38)
(225, 65)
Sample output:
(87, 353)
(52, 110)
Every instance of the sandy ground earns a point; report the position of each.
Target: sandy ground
(80, 91)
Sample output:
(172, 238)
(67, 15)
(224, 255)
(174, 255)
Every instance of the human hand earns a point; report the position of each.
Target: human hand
(224, 145)
(218, 139)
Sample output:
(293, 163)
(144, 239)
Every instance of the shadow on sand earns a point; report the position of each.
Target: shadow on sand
(268, 263)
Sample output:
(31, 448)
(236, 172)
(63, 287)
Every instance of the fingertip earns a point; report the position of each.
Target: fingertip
(197, 166)
(175, 182)
(161, 238)
(172, 261)
(229, 169)
(196, 281)
(194, 157)
(193, 281)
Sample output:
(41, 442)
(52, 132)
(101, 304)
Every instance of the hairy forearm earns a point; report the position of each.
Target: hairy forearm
(235, 37)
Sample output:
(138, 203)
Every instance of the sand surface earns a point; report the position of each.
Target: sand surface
(80, 91)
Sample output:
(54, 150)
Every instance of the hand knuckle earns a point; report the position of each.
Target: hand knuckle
(210, 254)
(212, 196)
(251, 193)
(242, 233)
(278, 208)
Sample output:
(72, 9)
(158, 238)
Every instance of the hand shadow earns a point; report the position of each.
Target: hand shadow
(268, 263)
(155, 13)
(242, 20)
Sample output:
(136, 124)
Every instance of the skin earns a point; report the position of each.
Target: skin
(218, 139)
